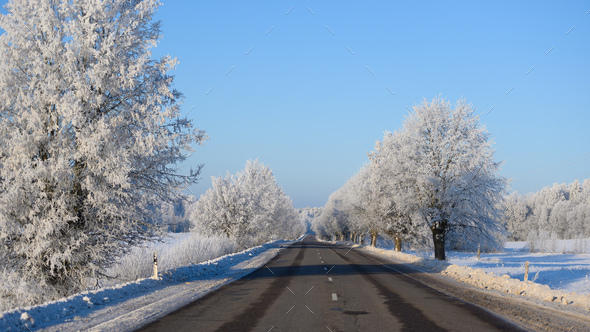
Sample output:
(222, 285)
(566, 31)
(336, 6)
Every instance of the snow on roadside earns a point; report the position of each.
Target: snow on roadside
(130, 305)
(564, 272)
(485, 280)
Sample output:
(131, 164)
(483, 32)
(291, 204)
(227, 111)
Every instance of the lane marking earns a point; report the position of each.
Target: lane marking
(322, 262)
(309, 309)
(309, 290)
(290, 290)
(329, 269)
(289, 310)
(330, 279)
(334, 297)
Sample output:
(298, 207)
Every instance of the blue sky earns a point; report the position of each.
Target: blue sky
(313, 85)
(313, 94)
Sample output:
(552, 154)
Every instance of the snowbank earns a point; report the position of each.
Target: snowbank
(112, 300)
(565, 272)
(485, 280)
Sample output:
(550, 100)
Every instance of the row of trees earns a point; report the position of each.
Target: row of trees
(307, 216)
(433, 179)
(562, 210)
(248, 207)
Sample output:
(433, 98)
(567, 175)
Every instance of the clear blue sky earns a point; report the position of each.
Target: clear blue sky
(305, 105)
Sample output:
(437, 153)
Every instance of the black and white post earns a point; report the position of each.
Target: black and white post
(155, 276)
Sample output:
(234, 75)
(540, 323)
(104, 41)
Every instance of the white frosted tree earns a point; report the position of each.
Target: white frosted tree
(89, 135)
(248, 207)
(393, 185)
(516, 212)
(556, 211)
(449, 156)
(334, 220)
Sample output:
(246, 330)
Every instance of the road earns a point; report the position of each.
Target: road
(312, 286)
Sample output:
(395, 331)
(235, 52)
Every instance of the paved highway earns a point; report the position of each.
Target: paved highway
(312, 286)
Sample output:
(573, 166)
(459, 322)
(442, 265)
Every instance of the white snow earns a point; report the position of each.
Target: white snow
(565, 272)
(557, 277)
(127, 306)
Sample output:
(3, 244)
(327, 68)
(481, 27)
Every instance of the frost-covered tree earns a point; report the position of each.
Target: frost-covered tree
(449, 156)
(334, 219)
(436, 173)
(308, 215)
(89, 135)
(558, 211)
(515, 213)
(248, 207)
(394, 184)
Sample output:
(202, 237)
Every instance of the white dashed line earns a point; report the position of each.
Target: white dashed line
(334, 297)
(330, 279)
(322, 262)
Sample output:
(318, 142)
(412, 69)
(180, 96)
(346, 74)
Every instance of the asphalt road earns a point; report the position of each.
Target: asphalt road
(312, 286)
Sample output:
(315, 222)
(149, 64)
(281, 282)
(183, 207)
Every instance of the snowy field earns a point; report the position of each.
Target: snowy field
(556, 268)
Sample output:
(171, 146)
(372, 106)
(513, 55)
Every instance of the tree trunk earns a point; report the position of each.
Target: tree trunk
(374, 238)
(352, 237)
(438, 236)
(341, 236)
(398, 243)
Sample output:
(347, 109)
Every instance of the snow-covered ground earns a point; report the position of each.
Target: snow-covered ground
(125, 307)
(552, 276)
(565, 272)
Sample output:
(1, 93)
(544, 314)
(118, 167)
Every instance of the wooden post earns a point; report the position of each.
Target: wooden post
(478, 251)
(155, 276)
(526, 271)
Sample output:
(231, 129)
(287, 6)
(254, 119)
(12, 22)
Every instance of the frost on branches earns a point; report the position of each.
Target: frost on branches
(436, 174)
(89, 136)
(450, 157)
(248, 207)
(558, 211)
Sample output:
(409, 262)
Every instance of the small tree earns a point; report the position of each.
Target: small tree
(449, 157)
(249, 208)
(89, 136)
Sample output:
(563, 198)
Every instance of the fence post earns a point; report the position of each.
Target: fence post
(155, 276)
(526, 271)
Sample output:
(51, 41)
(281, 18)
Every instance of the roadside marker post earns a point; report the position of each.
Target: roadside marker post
(155, 276)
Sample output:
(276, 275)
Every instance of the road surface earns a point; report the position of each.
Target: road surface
(312, 286)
